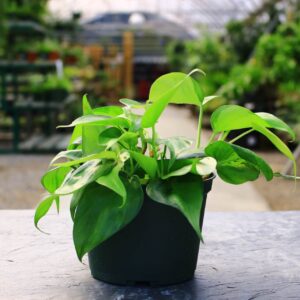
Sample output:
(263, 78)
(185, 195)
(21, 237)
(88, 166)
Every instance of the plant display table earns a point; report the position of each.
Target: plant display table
(245, 256)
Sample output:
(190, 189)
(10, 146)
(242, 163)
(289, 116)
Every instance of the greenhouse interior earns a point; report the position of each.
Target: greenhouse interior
(137, 74)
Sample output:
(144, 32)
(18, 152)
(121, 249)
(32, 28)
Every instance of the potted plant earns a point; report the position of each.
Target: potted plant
(138, 200)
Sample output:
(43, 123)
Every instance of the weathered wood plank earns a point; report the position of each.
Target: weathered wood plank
(245, 256)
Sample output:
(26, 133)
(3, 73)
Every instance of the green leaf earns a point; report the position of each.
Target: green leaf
(276, 123)
(69, 154)
(185, 89)
(174, 87)
(99, 214)
(127, 139)
(76, 196)
(148, 164)
(109, 134)
(112, 181)
(110, 111)
(82, 176)
(43, 208)
(132, 103)
(86, 107)
(53, 178)
(237, 165)
(179, 172)
(176, 146)
(99, 120)
(185, 193)
(102, 155)
(77, 134)
(282, 147)
(232, 117)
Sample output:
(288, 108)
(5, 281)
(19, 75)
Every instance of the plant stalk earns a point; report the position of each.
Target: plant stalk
(241, 135)
(199, 131)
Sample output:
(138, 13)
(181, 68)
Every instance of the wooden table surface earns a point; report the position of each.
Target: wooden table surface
(245, 256)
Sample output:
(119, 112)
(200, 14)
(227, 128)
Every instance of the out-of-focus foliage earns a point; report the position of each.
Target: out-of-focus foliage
(208, 53)
(273, 69)
(26, 9)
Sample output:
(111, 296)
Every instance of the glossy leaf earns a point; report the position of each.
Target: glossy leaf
(113, 181)
(237, 165)
(184, 193)
(99, 120)
(276, 123)
(83, 175)
(43, 208)
(69, 154)
(109, 134)
(86, 107)
(76, 196)
(99, 215)
(232, 117)
(77, 134)
(276, 141)
(102, 155)
(176, 146)
(148, 164)
(171, 88)
(132, 103)
(53, 178)
(179, 172)
(110, 111)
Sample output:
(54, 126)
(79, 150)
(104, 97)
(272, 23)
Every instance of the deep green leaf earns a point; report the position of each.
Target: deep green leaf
(113, 181)
(76, 196)
(185, 193)
(237, 165)
(99, 217)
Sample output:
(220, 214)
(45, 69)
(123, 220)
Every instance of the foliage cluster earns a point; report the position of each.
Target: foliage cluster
(115, 156)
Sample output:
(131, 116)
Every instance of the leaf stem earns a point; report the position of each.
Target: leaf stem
(213, 135)
(223, 136)
(199, 131)
(241, 135)
(154, 148)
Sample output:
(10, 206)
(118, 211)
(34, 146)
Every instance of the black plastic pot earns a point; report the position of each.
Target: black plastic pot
(159, 247)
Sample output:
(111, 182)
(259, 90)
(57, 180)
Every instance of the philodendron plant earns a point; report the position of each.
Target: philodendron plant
(115, 155)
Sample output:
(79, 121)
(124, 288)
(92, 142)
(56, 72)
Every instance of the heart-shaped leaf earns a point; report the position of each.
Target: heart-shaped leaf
(184, 193)
(237, 165)
(99, 214)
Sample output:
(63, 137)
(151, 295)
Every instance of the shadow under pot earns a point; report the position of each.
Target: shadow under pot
(159, 247)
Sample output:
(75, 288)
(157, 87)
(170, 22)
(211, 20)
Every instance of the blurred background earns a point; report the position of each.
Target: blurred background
(52, 52)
